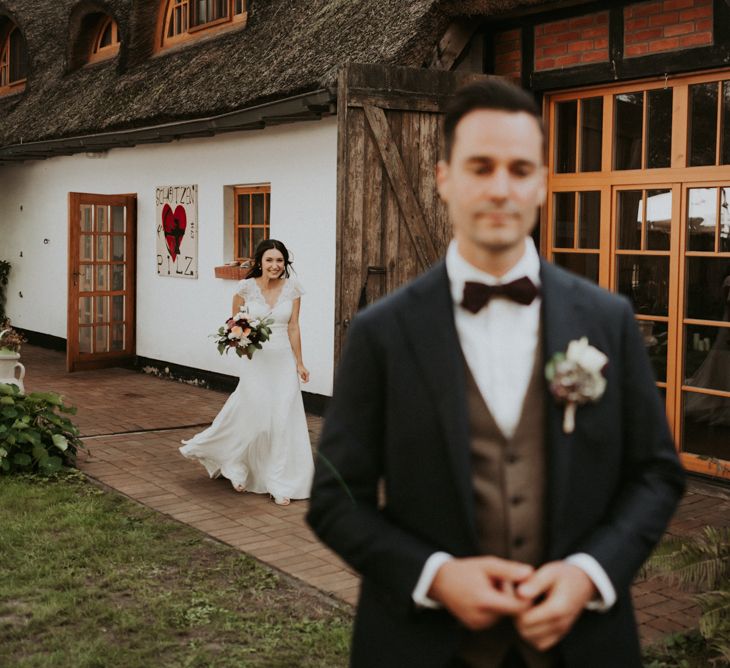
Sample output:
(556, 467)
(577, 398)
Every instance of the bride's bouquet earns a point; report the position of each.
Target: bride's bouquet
(243, 334)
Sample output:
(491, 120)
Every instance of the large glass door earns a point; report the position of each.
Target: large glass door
(639, 202)
(703, 396)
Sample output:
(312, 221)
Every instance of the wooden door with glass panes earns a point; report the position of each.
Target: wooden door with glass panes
(639, 197)
(101, 280)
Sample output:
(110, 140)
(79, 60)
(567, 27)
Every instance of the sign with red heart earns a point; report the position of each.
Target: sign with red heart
(174, 224)
(177, 233)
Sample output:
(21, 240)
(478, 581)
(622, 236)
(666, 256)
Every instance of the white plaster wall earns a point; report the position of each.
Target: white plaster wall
(176, 315)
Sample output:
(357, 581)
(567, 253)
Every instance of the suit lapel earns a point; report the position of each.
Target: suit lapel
(429, 325)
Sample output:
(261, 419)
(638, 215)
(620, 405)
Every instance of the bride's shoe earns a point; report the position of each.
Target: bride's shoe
(239, 488)
(281, 500)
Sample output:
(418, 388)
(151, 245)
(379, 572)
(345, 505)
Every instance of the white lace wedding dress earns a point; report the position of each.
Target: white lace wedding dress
(259, 440)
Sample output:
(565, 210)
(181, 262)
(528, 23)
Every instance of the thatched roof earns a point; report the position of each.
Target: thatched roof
(287, 48)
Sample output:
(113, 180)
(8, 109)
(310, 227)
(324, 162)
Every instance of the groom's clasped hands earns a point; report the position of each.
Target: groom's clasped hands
(544, 602)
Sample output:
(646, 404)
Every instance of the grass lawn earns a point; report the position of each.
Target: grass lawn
(88, 578)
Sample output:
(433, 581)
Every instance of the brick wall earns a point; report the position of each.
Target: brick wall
(508, 54)
(666, 25)
(577, 41)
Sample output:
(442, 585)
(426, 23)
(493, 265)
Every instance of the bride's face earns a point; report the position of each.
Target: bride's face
(272, 263)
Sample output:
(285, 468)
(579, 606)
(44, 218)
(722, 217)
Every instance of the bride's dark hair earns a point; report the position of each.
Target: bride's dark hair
(268, 244)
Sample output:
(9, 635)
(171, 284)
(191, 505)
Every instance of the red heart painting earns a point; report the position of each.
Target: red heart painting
(174, 224)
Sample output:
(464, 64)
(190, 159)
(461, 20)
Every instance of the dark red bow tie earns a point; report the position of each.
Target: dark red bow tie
(477, 295)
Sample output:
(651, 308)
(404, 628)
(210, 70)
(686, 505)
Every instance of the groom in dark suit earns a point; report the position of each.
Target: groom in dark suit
(488, 529)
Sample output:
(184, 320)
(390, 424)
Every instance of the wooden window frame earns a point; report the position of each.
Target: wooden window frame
(190, 32)
(679, 178)
(249, 190)
(5, 63)
(98, 52)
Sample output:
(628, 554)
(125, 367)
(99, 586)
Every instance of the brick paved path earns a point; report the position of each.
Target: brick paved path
(132, 424)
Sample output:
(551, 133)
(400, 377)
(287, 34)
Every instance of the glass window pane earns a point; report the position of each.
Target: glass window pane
(658, 219)
(725, 220)
(118, 307)
(628, 121)
(708, 288)
(591, 137)
(244, 210)
(655, 340)
(102, 222)
(117, 277)
(85, 218)
(18, 56)
(644, 279)
(257, 217)
(118, 219)
(583, 264)
(589, 219)
(706, 425)
(117, 342)
(102, 277)
(243, 250)
(101, 339)
(725, 150)
(659, 128)
(86, 278)
(85, 315)
(86, 242)
(701, 219)
(102, 247)
(566, 123)
(101, 309)
(702, 124)
(564, 219)
(629, 219)
(85, 339)
(707, 357)
(259, 234)
(118, 247)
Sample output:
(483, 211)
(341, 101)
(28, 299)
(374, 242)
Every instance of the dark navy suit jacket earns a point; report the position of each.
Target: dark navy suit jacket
(398, 414)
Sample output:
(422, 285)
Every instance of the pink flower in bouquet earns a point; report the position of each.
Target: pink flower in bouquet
(242, 335)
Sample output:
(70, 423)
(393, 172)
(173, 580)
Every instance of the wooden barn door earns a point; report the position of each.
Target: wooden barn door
(391, 225)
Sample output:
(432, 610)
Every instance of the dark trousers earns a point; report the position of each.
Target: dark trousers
(512, 660)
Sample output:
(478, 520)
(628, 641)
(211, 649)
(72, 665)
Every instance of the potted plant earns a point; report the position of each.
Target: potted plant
(10, 342)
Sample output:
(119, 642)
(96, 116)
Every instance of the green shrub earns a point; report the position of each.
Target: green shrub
(34, 436)
(701, 564)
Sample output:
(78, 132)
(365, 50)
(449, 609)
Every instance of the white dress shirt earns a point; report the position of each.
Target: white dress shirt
(499, 344)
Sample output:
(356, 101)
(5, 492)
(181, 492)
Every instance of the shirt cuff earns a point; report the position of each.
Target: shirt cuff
(430, 568)
(594, 570)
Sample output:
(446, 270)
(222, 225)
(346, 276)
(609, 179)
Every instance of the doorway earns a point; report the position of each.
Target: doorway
(639, 196)
(101, 280)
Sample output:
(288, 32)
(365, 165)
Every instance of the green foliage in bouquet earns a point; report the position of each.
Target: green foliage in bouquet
(243, 335)
(34, 436)
(701, 564)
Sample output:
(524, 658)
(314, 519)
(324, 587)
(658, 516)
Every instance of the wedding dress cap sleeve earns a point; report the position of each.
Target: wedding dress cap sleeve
(243, 289)
(295, 288)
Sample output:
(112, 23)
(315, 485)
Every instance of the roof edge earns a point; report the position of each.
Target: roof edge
(303, 107)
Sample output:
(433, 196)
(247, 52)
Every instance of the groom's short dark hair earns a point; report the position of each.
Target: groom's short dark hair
(496, 94)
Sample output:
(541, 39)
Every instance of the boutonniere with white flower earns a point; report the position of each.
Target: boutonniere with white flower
(576, 378)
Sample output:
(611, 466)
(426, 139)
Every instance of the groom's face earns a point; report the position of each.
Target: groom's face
(494, 180)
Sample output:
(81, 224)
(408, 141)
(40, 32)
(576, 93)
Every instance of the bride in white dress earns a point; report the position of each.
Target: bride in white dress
(259, 440)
